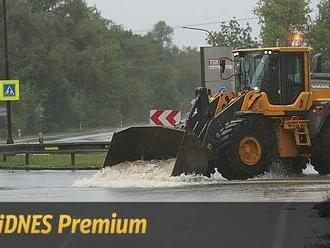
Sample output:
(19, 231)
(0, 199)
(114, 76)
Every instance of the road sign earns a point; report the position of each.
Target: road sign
(167, 118)
(223, 89)
(9, 90)
(212, 76)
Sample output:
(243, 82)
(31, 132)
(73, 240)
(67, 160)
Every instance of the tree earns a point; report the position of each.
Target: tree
(162, 34)
(319, 36)
(234, 35)
(59, 112)
(186, 64)
(279, 18)
(43, 5)
(81, 68)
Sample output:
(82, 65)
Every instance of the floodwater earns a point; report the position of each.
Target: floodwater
(151, 181)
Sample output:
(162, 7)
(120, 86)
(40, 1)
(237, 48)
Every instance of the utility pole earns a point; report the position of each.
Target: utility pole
(7, 74)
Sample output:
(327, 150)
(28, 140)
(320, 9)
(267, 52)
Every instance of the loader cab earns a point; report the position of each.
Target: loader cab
(279, 72)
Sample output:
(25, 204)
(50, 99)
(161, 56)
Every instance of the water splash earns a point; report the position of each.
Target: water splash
(276, 171)
(310, 170)
(279, 172)
(157, 174)
(142, 174)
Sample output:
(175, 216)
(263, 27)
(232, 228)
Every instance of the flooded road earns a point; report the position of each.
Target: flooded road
(152, 183)
(143, 181)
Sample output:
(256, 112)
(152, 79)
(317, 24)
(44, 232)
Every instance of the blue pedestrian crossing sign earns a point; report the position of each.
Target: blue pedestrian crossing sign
(9, 90)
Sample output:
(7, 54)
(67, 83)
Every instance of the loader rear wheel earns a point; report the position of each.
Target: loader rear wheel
(321, 156)
(244, 148)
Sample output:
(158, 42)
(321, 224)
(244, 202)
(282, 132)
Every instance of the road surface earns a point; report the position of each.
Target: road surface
(134, 182)
(103, 136)
(98, 137)
(141, 181)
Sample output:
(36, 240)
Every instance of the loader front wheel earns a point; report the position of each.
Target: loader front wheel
(244, 148)
(250, 151)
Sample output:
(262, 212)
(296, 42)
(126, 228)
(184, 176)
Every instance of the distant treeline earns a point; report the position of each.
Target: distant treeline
(78, 68)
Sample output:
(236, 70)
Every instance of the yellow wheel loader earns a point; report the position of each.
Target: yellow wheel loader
(278, 112)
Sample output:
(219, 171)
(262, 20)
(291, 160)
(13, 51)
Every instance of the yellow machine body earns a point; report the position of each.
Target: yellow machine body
(291, 110)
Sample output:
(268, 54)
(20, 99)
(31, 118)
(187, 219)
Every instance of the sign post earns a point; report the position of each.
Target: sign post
(9, 129)
(9, 91)
(212, 77)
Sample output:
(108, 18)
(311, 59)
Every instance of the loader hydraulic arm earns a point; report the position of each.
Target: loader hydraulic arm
(201, 112)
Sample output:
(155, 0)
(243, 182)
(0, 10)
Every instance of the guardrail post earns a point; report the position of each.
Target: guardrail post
(73, 159)
(27, 158)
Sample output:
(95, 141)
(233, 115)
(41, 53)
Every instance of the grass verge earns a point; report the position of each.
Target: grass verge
(54, 161)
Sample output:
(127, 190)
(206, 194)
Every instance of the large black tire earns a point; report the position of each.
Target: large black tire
(228, 143)
(294, 166)
(321, 155)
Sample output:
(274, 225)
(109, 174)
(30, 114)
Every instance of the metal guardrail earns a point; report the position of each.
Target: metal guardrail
(60, 148)
(324, 76)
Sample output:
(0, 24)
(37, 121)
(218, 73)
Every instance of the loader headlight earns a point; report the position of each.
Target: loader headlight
(257, 89)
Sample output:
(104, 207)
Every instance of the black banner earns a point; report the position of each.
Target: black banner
(94, 225)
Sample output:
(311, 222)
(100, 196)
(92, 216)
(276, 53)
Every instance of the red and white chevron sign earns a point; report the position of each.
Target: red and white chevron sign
(167, 118)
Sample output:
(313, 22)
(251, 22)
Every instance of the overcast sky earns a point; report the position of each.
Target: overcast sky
(140, 15)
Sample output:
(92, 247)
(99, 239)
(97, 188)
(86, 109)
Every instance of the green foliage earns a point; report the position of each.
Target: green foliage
(319, 35)
(50, 161)
(162, 34)
(43, 5)
(28, 108)
(278, 18)
(84, 69)
(234, 35)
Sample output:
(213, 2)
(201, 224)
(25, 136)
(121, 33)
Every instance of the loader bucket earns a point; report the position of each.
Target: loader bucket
(143, 143)
(159, 143)
(191, 158)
